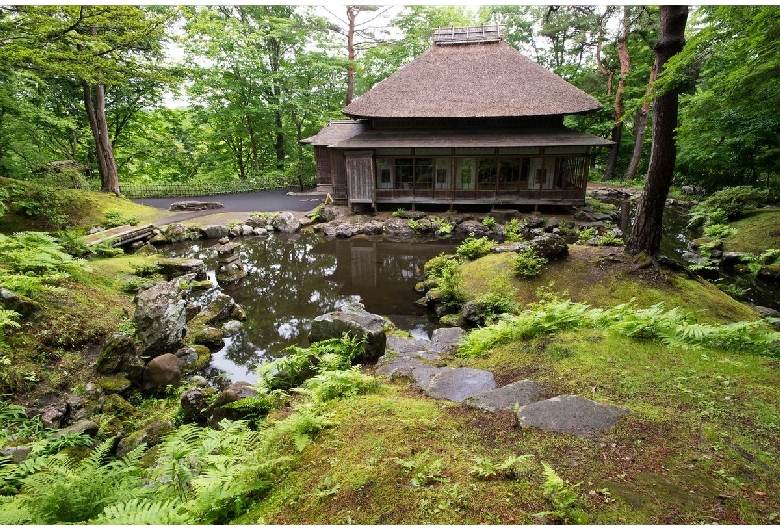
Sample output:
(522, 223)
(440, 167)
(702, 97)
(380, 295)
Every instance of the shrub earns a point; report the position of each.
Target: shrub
(718, 231)
(117, 218)
(728, 204)
(474, 248)
(586, 234)
(414, 225)
(442, 226)
(528, 263)
(489, 222)
(512, 233)
(450, 283)
(434, 266)
(610, 239)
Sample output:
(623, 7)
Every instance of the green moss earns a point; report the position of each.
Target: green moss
(755, 233)
(113, 385)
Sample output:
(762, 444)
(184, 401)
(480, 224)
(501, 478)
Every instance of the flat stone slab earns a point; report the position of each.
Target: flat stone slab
(448, 336)
(457, 384)
(410, 347)
(509, 397)
(570, 415)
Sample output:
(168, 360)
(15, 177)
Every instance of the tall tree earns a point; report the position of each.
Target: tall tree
(646, 231)
(640, 128)
(93, 46)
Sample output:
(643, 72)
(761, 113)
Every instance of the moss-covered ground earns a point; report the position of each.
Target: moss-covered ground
(701, 444)
(756, 233)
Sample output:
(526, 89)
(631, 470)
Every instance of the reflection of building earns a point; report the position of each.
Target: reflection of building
(378, 270)
(469, 121)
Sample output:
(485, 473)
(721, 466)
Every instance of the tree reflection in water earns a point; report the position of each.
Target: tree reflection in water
(293, 279)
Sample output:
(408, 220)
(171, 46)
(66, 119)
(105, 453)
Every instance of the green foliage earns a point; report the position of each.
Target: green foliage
(473, 248)
(512, 231)
(442, 226)
(65, 491)
(424, 469)
(718, 231)
(500, 299)
(8, 318)
(433, 267)
(599, 206)
(450, 283)
(414, 224)
(610, 239)
(528, 263)
(303, 363)
(116, 218)
(398, 212)
(336, 384)
(511, 468)
(489, 222)
(37, 253)
(106, 249)
(563, 498)
(728, 204)
(671, 327)
(586, 234)
(73, 243)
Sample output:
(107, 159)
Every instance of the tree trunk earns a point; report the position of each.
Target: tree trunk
(279, 143)
(253, 145)
(640, 126)
(95, 105)
(646, 232)
(352, 12)
(625, 64)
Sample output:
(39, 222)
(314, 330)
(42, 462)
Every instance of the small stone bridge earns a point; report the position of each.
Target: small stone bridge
(121, 235)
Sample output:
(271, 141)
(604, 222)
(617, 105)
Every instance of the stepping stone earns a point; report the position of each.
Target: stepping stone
(449, 336)
(507, 397)
(570, 415)
(405, 346)
(457, 384)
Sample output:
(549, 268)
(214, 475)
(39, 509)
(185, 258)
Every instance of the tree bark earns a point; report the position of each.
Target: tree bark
(95, 105)
(352, 12)
(640, 127)
(646, 232)
(625, 64)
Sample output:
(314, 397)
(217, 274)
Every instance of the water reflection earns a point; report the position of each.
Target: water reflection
(293, 279)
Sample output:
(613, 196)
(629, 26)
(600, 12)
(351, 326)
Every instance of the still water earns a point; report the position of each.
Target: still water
(293, 279)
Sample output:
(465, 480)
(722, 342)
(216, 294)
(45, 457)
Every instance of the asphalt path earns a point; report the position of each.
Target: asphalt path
(256, 201)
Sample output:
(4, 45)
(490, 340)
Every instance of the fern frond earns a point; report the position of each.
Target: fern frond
(145, 512)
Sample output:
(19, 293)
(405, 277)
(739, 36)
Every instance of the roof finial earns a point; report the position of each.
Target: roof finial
(468, 34)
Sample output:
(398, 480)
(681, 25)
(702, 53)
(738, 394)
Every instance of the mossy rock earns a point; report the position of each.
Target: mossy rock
(207, 336)
(452, 319)
(117, 384)
(770, 272)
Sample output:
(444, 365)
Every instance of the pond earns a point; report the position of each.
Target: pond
(293, 279)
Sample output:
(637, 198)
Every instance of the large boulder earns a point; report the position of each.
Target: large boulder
(214, 231)
(161, 317)
(161, 372)
(53, 415)
(328, 214)
(120, 355)
(458, 384)
(90, 428)
(357, 322)
(175, 267)
(194, 206)
(550, 246)
(286, 223)
(177, 232)
(473, 228)
(395, 227)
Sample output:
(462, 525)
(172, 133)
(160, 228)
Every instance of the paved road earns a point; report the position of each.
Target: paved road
(256, 201)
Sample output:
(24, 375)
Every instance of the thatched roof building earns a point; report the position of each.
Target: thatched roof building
(471, 120)
(471, 80)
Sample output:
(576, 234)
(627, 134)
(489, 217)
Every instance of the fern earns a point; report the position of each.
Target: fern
(563, 498)
(146, 512)
(62, 491)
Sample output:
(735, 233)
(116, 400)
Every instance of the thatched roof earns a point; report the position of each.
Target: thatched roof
(443, 138)
(336, 131)
(483, 79)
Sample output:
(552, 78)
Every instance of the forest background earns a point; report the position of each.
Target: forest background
(94, 84)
